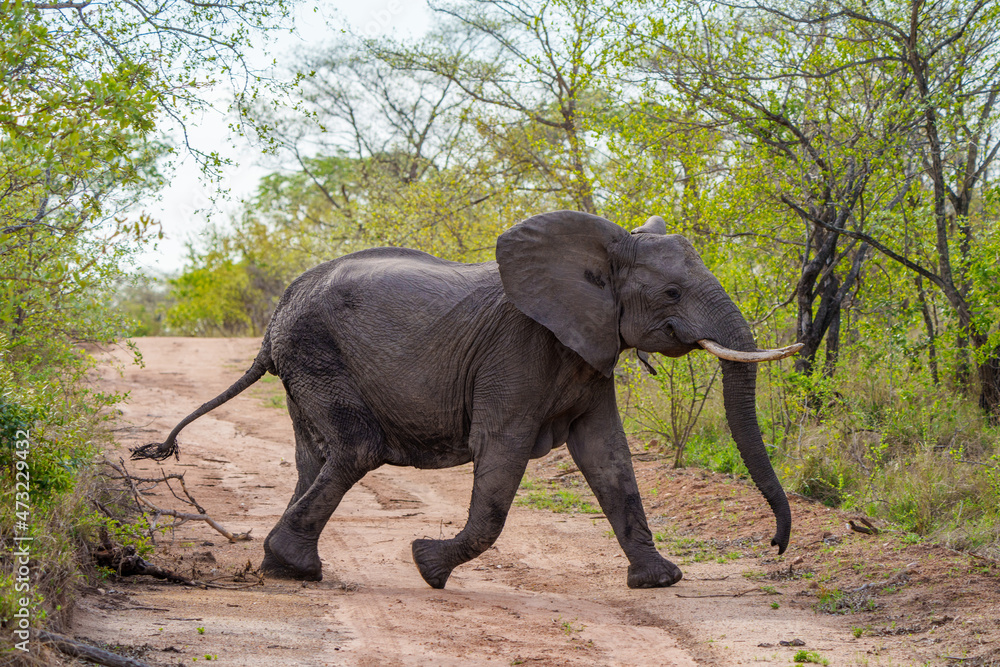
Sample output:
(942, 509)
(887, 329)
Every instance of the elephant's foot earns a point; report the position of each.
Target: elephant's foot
(653, 574)
(427, 556)
(283, 561)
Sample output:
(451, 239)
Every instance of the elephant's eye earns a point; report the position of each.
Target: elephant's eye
(672, 293)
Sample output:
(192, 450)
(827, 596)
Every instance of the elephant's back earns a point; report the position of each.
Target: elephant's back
(385, 287)
(407, 330)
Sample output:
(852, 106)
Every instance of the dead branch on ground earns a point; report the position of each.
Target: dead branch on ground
(180, 518)
(86, 651)
(867, 528)
(127, 562)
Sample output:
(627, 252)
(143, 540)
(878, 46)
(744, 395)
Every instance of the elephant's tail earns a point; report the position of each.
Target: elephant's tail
(160, 451)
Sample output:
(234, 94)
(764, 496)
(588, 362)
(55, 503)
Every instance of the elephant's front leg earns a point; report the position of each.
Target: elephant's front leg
(598, 445)
(499, 466)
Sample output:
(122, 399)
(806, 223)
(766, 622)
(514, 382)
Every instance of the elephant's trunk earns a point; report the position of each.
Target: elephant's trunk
(739, 385)
(739, 382)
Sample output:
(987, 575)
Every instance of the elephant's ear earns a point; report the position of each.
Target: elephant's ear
(655, 225)
(556, 270)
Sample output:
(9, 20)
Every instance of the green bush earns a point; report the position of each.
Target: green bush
(824, 479)
(713, 447)
(63, 420)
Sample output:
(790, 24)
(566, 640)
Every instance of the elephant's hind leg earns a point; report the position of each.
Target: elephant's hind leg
(333, 452)
(291, 550)
(308, 458)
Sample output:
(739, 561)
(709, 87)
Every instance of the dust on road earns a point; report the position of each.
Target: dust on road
(551, 592)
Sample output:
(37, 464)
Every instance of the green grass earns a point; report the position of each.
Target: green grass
(554, 497)
(569, 628)
(271, 392)
(694, 550)
(804, 656)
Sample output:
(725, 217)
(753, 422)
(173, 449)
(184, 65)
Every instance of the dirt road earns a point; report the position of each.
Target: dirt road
(551, 592)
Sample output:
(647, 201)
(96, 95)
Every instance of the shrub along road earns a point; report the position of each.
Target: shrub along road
(551, 592)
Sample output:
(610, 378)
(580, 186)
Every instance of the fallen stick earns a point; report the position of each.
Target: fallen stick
(181, 517)
(126, 562)
(80, 650)
(721, 595)
(866, 529)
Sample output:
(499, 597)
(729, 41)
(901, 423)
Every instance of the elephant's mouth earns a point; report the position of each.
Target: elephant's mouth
(756, 356)
(676, 330)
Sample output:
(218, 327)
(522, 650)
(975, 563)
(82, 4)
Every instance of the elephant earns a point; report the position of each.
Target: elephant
(393, 356)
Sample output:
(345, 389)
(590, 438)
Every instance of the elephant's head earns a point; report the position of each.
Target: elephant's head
(601, 290)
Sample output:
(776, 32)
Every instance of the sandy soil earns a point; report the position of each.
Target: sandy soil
(551, 592)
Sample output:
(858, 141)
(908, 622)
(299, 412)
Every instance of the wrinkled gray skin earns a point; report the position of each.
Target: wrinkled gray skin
(392, 356)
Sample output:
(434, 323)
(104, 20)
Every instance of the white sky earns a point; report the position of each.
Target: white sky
(186, 202)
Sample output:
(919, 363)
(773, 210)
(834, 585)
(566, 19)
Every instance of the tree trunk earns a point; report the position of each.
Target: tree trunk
(832, 344)
(931, 332)
(810, 329)
(963, 369)
(989, 386)
(819, 279)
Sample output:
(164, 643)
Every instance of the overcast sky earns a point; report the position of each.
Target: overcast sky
(182, 208)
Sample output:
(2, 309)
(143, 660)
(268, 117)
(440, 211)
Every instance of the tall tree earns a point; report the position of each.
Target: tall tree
(811, 124)
(73, 154)
(186, 47)
(411, 171)
(534, 69)
(947, 65)
(83, 86)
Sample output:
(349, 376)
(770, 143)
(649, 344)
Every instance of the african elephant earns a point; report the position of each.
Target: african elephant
(392, 356)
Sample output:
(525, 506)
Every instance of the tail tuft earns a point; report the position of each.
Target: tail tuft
(155, 451)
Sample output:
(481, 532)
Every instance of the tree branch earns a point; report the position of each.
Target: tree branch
(934, 278)
(182, 517)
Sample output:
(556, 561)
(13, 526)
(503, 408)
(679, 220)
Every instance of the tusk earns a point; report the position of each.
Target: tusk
(749, 357)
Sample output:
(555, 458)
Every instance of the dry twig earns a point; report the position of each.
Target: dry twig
(866, 529)
(722, 595)
(179, 517)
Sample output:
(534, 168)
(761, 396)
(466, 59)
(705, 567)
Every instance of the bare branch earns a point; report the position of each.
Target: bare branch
(182, 517)
(59, 5)
(934, 278)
